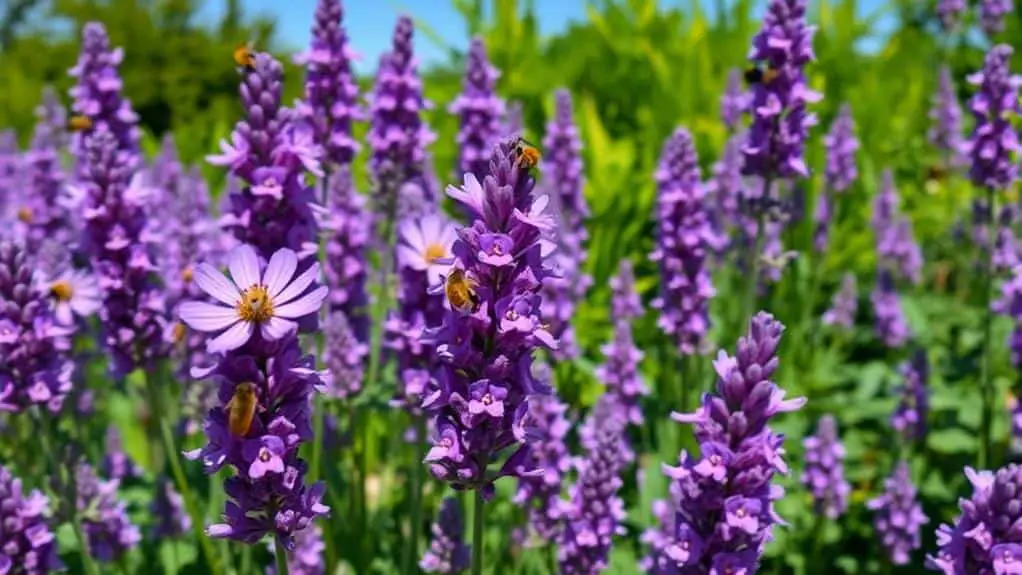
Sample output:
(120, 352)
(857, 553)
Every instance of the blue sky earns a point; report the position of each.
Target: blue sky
(370, 22)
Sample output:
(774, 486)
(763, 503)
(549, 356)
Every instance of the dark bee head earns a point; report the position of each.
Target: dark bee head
(753, 75)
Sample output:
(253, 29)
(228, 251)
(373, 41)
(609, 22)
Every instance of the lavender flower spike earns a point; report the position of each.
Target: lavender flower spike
(43, 214)
(540, 494)
(108, 529)
(723, 499)
(27, 545)
(734, 101)
(946, 117)
(780, 122)
(994, 140)
(844, 305)
(168, 510)
(909, 419)
(841, 147)
(344, 357)
(824, 473)
(983, 537)
(447, 553)
(486, 384)
(684, 234)
(331, 92)
(307, 557)
(891, 326)
(349, 232)
(479, 110)
(949, 12)
(898, 516)
(992, 14)
(593, 514)
(620, 372)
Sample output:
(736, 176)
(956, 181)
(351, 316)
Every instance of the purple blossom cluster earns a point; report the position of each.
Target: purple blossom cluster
(780, 121)
(946, 116)
(43, 213)
(10, 174)
(168, 511)
(35, 364)
(425, 243)
(909, 418)
(983, 538)
(949, 12)
(723, 500)
(898, 517)
(1010, 304)
(594, 512)
(540, 493)
(108, 530)
(479, 111)
(563, 183)
(514, 124)
(344, 356)
(447, 553)
(398, 135)
(27, 545)
(726, 190)
(270, 152)
(331, 91)
(97, 94)
(992, 14)
(620, 371)
(890, 323)
(824, 473)
(994, 141)
(117, 464)
(842, 146)
(844, 305)
(684, 235)
(486, 343)
(734, 102)
(307, 557)
(896, 246)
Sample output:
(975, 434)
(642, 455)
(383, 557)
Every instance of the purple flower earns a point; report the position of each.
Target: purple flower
(625, 303)
(896, 247)
(824, 473)
(344, 356)
(620, 371)
(898, 516)
(307, 556)
(11, 168)
(97, 94)
(331, 92)
(270, 151)
(514, 124)
(27, 545)
(43, 214)
(723, 500)
(168, 510)
(780, 122)
(563, 183)
(35, 367)
(494, 341)
(104, 517)
(117, 464)
(994, 141)
(949, 12)
(269, 297)
(133, 315)
(726, 189)
(844, 305)
(347, 243)
(684, 232)
(479, 111)
(549, 451)
(398, 135)
(1010, 304)
(594, 512)
(423, 254)
(891, 326)
(447, 553)
(946, 116)
(841, 147)
(734, 101)
(909, 418)
(992, 14)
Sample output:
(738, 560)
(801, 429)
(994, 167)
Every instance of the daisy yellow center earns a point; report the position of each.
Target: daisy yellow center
(62, 290)
(255, 305)
(435, 252)
(179, 332)
(187, 274)
(25, 215)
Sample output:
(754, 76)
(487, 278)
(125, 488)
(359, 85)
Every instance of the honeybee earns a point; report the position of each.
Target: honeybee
(757, 74)
(461, 291)
(244, 56)
(526, 155)
(936, 172)
(241, 409)
(79, 123)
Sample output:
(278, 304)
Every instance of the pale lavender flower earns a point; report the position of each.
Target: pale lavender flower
(898, 517)
(27, 544)
(117, 464)
(891, 326)
(949, 12)
(168, 510)
(108, 530)
(992, 14)
(307, 556)
(844, 305)
(734, 101)
(909, 418)
(479, 111)
(824, 472)
(447, 553)
(540, 493)
(946, 121)
(842, 146)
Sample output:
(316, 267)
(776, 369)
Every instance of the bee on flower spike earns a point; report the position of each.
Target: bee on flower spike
(244, 56)
(525, 154)
(461, 291)
(758, 74)
(79, 123)
(241, 409)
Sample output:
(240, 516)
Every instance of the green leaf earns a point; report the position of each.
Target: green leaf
(951, 440)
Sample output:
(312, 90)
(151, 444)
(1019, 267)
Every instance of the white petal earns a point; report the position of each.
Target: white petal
(298, 286)
(414, 237)
(303, 306)
(235, 337)
(411, 258)
(277, 328)
(279, 271)
(206, 316)
(244, 265)
(210, 280)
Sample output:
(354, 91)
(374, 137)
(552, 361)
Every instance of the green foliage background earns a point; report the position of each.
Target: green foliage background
(637, 72)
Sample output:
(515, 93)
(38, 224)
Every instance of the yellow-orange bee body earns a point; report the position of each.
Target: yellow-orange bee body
(461, 291)
(79, 123)
(758, 74)
(241, 409)
(244, 56)
(525, 154)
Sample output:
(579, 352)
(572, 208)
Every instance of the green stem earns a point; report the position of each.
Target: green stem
(280, 557)
(756, 256)
(477, 533)
(315, 471)
(986, 379)
(173, 457)
(412, 550)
